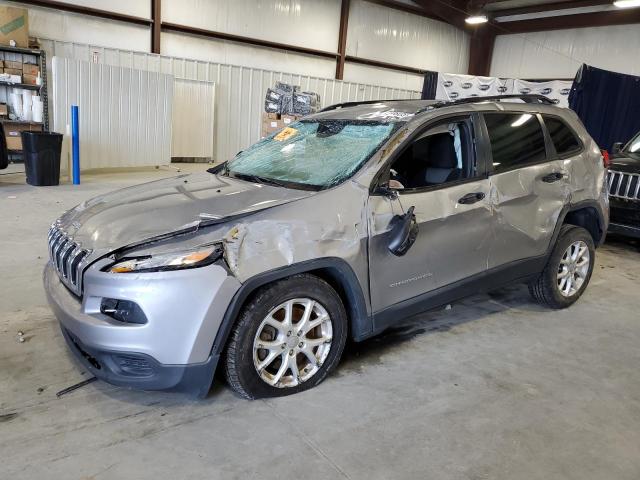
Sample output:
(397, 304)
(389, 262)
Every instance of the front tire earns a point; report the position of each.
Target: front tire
(287, 339)
(568, 269)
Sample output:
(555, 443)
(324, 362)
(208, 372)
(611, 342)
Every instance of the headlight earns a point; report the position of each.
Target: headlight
(177, 260)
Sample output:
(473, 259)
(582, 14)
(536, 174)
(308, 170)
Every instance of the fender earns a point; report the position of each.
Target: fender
(356, 306)
(567, 209)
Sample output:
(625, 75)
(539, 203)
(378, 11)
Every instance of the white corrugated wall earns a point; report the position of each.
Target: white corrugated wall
(125, 114)
(239, 90)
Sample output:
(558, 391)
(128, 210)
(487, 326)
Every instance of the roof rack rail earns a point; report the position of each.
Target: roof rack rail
(364, 102)
(532, 98)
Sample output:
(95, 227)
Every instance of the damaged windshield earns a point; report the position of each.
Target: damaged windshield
(311, 154)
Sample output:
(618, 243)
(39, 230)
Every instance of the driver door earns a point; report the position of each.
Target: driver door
(445, 180)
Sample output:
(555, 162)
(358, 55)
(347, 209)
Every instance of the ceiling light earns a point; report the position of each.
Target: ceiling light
(627, 3)
(476, 19)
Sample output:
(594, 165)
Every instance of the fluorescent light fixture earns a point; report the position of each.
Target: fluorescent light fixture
(522, 120)
(476, 19)
(627, 3)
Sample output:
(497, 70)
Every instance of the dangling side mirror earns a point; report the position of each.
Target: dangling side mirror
(617, 147)
(403, 233)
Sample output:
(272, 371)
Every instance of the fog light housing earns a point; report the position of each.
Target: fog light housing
(124, 311)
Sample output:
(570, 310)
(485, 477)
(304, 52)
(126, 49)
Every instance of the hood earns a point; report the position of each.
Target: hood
(137, 213)
(626, 162)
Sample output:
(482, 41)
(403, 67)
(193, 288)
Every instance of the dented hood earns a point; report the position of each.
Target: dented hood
(137, 213)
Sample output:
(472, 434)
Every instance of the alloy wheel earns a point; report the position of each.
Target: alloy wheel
(292, 342)
(573, 268)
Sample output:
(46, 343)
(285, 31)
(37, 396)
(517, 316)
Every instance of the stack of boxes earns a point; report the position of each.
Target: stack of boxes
(17, 72)
(285, 104)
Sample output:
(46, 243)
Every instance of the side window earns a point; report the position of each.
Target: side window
(564, 140)
(442, 154)
(516, 139)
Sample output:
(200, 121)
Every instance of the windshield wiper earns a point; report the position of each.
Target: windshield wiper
(258, 179)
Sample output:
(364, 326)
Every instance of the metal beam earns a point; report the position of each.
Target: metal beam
(563, 22)
(156, 17)
(342, 38)
(172, 27)
(547, 7)
(480, 51)
(404, 7)
(379, 64)
(448, 11)
(93, 12)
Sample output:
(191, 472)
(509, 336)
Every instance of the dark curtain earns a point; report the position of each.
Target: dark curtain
(608, 104)
(429, 86)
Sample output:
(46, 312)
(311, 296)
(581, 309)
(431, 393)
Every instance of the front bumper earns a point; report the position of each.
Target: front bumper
(625, 217)
(173, 350)
(626, 230)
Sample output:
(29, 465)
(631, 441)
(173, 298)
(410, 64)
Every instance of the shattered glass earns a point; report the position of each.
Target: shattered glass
(316, 154)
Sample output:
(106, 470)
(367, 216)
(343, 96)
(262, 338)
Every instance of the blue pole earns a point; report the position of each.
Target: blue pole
(75, 140)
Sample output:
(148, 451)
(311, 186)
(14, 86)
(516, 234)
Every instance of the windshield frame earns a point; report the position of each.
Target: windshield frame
(396, 125)
(627, 148)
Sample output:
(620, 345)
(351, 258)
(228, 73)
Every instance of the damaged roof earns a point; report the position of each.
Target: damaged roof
(382, 110)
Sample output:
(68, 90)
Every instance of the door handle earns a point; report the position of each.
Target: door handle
(553, 177)
(470, 198)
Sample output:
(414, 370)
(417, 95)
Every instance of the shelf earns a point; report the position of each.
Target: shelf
(23, 122)
(26, 51)
(26, 86)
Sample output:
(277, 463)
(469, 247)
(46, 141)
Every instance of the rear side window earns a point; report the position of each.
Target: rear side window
(516, 140)
(564, 140)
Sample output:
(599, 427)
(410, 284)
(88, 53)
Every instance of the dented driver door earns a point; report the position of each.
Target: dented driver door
(452, 243)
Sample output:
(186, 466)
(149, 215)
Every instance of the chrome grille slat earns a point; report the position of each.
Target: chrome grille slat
(68, 258)
(631, 183)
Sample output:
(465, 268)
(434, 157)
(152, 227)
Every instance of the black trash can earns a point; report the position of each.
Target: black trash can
(41, 152)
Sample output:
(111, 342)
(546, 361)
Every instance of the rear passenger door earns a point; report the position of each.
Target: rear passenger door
(529, 186)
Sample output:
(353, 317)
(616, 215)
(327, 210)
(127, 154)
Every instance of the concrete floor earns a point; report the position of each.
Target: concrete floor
(494, 388)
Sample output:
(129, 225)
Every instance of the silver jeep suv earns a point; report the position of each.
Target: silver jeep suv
(336, 227)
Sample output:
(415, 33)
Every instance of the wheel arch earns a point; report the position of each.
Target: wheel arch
(587, 215)
(335, 271)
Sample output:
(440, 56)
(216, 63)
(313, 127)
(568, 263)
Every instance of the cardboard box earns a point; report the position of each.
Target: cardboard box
(13, 64)
(270, 124)
(288, 119)
(30, 69)
(273, 116)
(13, 133)
(29, 79)
(4, 110)
(14, 25)
(13, 71)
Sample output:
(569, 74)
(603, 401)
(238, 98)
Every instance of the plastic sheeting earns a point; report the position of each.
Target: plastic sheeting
(559, 53)
(393, 36)
(284, 21)
(453, 87)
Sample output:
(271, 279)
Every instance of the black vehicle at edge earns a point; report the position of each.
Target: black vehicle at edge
(624, 188)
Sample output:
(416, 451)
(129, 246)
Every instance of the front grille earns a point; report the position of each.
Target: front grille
(624, 185)
(68, 258)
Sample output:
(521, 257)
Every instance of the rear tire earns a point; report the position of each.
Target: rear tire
(287, 339)
(568, 269)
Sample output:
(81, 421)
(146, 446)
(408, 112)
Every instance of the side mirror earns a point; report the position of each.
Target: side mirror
(386, 191)
(404, 230)
(617, 147)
